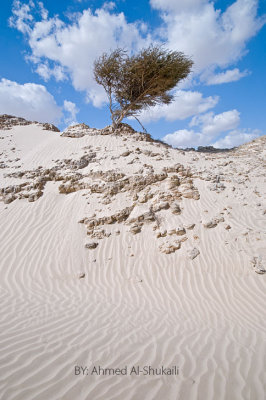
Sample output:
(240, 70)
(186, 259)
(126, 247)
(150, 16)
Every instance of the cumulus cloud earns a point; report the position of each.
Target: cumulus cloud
(21, 16)
(28, 100)
(236, 138)
(212, 124)
(184, 138)
(230, 75)
(109, 5)
(177, 5)
(214, 39)
(74, 46)
(209, 127)
(186, 104)
(211, 37)
(72, 111)
(46, 72)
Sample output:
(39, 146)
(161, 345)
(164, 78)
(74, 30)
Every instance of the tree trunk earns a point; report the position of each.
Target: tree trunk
(144, 130)
(118, 120)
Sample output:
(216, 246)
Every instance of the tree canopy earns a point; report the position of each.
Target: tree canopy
(143, 80)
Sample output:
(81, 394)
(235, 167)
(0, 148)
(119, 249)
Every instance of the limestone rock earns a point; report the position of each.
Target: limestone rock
(34, 196)
(169, 248)
(180, 231)
(77, 131)
(211, 224)
(136, 228)
(126, 153)
(161, 233)
(143, 198)
(163, 205)
(9, 198)
(91, 245)
(8, 121)
(173, 182)
(193, 253)
(190, 226)
(175, 207)
(259, 265)
(191, 194)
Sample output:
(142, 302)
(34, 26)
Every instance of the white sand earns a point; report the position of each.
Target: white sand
(136, 306)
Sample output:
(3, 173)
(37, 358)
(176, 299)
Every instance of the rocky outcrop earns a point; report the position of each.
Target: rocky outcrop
(78, 131)
(49, 127)
(8, 121)
(139, 186)
(126, 130)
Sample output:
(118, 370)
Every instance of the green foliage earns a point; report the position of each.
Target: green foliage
(133, 83)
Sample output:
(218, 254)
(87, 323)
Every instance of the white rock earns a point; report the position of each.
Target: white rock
(193, 253)
(91, 245)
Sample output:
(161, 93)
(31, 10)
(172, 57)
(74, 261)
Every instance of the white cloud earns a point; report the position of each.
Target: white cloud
(236, 138)
(189, 138)
(46, 72)
(74, 46)
(184, 138)
(212, 125)
(109, 5)
(211, 37)
(186, 104)
(177, 5)
(230, 75)
(72, 110)
(21, 16)
(28, 100)
(44, 12)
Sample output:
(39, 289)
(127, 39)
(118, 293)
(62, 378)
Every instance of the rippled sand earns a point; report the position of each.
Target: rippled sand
(126, 303)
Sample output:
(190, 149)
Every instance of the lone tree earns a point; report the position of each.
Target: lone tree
(133, 83)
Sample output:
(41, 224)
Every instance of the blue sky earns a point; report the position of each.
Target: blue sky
(48, 49)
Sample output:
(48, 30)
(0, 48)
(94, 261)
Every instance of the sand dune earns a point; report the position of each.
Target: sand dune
(136, 299)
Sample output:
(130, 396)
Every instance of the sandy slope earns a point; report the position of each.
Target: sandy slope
(136, 305)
